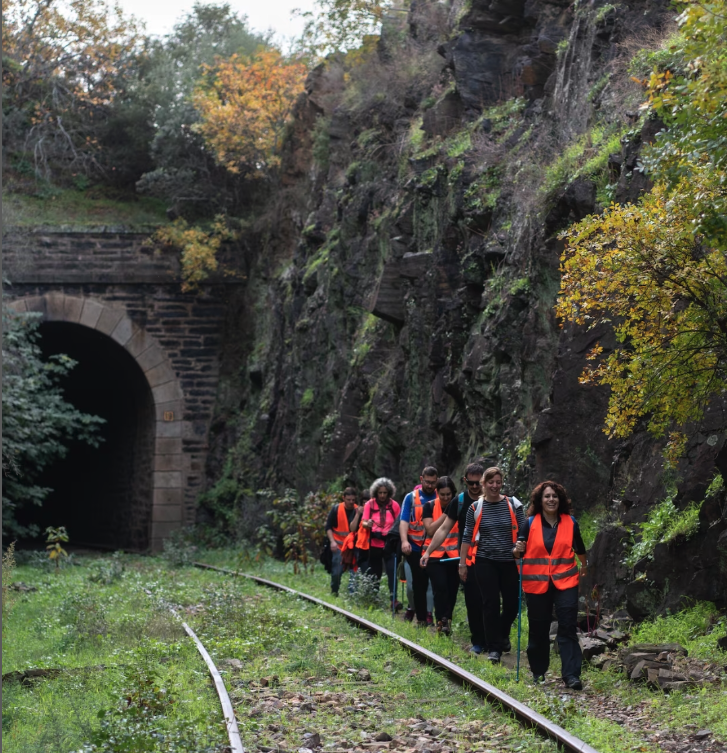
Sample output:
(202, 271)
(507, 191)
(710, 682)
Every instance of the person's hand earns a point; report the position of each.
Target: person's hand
(368, 523)
(463, 573)
(520, 547)
(583, 571)
(334, 546)
(406, 548)
(424, 559)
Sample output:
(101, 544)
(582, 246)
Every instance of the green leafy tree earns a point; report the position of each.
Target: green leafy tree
(657, 270)
(185, 172)
(37, 423)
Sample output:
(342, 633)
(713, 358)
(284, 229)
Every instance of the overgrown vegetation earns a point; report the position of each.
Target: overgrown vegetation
(37, 423)
(657, 269)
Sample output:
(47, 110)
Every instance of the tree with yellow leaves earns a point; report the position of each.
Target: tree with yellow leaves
(657, 270)
(245, 105)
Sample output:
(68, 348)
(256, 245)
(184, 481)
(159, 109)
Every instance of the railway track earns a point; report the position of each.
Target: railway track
(520, 711)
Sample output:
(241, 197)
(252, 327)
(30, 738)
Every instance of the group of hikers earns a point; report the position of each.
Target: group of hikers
(481, 538)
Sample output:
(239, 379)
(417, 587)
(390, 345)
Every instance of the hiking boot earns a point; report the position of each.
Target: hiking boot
(506, 647)
(494, 657)
(477, 650)
(446, 627)
(538, 679)
(409, 614)
(573, 683)
(398, 606)
(430, 618)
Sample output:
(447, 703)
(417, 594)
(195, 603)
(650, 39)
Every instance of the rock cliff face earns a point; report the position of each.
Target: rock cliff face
(399, 308)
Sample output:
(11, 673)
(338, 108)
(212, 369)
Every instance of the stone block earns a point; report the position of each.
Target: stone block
(175, 406)
(167, 479)
(167, 445)
(168, 497)
(140, 341)
(150, 358)
(167, 392)
(169, 462)
(91, 313)
(166, 514)
(160, 374)
(123, 331)
(161, 530)
(73, 309)
(109, 319)
(169, 429)
(54, 306)
(35, 303)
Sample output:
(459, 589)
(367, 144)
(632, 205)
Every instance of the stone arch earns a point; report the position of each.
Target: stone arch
(169, 467)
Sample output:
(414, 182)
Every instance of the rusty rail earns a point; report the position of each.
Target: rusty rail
(523, 713)
(233, 733)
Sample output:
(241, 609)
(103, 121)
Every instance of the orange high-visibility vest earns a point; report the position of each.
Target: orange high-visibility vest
(363, 537)
(476, 531)
(341, 530)
(417, 533)
(539, 567)
(448, 547)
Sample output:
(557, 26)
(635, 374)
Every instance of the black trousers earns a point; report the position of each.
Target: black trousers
(474, 609)
(375, 563)
(540, 612)
(419, 584)
(445, 584)
(494, 579)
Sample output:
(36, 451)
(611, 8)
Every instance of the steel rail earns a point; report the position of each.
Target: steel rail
(523, 713)
(233, 732)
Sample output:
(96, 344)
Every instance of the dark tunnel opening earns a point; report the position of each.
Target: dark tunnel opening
(102, 495)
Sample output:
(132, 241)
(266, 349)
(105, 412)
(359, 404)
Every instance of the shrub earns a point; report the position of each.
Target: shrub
(106, 571)
(366, 592)
(178, 549)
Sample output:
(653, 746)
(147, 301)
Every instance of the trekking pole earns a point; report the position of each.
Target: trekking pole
(519, 617)
(396, 589)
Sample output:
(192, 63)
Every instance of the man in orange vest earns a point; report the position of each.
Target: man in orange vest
(548, 542)
(413, 534)
(342, 520)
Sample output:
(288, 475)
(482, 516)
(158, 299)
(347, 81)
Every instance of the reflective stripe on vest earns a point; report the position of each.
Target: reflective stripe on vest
(448, 547)
(341, 530)
(539, 567)
(476, 531)
(416, 531)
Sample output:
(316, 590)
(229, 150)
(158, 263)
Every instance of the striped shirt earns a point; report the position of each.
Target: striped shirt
(495, 529)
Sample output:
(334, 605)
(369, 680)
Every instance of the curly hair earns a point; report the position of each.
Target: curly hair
(383, 481)
(536, 498)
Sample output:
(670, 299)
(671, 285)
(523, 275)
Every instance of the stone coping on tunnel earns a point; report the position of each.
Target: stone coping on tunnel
(170, 464)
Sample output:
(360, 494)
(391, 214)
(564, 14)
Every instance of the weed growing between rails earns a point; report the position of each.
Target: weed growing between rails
(302, 677)
(613, 715)
(114, 652)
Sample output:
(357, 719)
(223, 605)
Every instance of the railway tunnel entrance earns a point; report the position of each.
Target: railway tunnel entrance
(102, 495)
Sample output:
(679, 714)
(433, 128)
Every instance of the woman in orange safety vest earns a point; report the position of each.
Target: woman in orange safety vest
(442, 560)
(548, 542)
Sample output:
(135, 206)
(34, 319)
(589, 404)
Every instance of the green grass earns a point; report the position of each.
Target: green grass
(67, 207)
(109, 640)
(605, 735)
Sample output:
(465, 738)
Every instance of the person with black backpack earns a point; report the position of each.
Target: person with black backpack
(456, 513)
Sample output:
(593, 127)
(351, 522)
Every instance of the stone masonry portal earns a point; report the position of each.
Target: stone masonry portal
(119, 286)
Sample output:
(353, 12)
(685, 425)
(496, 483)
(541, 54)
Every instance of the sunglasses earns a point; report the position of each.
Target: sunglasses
(471, 483)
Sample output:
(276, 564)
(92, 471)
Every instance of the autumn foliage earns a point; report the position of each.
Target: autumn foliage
(657, 270)
(245, 104)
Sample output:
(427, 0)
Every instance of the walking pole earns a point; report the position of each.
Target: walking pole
(519, 619)
(396, 589)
